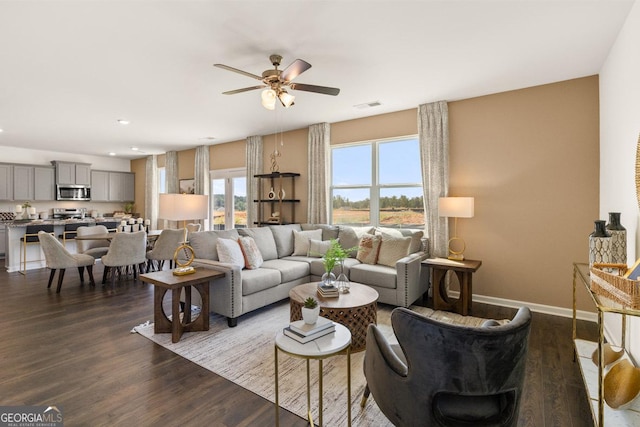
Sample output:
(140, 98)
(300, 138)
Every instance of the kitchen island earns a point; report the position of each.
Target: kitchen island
(15, 230)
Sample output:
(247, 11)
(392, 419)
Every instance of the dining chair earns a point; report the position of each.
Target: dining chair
(164, 248)
(31, 238)
(96, 248)
(126, 250)
(59, 258)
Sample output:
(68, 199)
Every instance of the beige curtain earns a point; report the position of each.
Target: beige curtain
(318, 167)
(202, 181)
(151, 194)
(433, 128)
(254, 167)
(171, 175)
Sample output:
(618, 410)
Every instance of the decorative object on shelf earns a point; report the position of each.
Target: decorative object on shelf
(342, 282)
(610, 355)
(281, 194)
(456, 207)
(310, 311)
(25, 210)
(618, 239)
(615, 287)
(274, 161)
(128, 208)
(272, 194)
(621, 385)
(599, 244)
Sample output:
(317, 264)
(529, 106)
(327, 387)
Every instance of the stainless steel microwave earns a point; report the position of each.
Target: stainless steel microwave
(73, 192)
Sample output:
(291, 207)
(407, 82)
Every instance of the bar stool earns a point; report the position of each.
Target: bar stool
(31, 238)
(71, 231)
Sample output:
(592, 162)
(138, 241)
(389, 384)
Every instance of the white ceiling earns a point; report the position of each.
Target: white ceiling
(70, 69)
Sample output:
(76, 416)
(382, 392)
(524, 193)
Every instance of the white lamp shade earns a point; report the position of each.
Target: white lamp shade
(269, 99)
(182, 207)
(286, 99)
(456, 207)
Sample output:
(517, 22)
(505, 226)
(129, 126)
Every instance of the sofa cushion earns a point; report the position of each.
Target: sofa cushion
(301, 241)
(374, 275)
(368, 249)
(252, 257)
(317, 248)
(264, 239)
(283, 236)
(328, 231)
(204, 242)
(258, 280)
(289, 270)
(349, 237)
(229, 252)
(392, 249)
(416, 236)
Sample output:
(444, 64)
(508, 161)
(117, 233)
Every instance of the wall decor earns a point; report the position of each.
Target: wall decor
(188, 186)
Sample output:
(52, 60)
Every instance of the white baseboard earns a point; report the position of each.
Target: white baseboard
(538, 308)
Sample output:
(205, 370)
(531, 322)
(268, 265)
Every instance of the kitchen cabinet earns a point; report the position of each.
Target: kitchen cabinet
(72, 173)
(23, 188)
(44, 183)
(112, 186)
(6, 182)
(99, 186)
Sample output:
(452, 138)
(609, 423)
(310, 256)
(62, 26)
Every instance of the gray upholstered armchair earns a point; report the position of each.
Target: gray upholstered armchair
(448, 375)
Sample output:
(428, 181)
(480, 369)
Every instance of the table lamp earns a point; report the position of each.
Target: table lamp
(456, 207)
(183, 207)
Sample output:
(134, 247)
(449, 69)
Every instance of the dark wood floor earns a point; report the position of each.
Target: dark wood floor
(74, 350)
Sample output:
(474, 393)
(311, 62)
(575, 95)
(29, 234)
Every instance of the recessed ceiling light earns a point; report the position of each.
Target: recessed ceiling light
(123, 121)
(1, 130)
(112, 154)
(134, 148)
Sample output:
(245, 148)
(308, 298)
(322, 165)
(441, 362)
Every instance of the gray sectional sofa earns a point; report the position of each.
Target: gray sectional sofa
(242, 290)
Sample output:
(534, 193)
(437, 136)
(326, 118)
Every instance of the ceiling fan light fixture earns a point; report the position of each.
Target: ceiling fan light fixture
(286, 98)
(269, 99)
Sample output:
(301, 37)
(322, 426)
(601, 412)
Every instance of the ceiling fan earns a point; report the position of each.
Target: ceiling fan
(275, 81)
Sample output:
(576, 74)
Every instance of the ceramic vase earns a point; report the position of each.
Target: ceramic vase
(599, 244)
(310, 315)
(618, 239)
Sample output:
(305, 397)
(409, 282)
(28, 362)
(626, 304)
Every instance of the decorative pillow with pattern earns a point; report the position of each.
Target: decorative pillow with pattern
(301, 241)
(229, 252)
(368, 249)
(392, 249)
(317, 248)
(252, 256)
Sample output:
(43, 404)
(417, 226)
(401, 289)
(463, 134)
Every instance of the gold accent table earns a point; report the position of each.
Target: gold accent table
(355, 310)
(318, 349)
(165, 281)
(464, 270)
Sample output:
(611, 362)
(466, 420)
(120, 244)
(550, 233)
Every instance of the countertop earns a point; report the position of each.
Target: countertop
(24, 223)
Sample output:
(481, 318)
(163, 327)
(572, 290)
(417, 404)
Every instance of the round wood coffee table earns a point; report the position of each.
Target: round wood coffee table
(355, 310)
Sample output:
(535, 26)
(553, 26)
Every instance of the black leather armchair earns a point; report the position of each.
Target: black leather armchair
(448, 375)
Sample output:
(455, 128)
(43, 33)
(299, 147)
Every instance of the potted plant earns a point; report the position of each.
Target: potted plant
(310, 310)
(334, 255)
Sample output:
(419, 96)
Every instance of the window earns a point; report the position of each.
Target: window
(162, 180)
(377, 183)
(228, 199)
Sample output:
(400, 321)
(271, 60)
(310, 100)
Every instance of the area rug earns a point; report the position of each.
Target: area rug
(245, 356)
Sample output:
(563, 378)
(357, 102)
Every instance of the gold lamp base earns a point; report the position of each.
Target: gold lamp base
(183, 269)
(456, 254)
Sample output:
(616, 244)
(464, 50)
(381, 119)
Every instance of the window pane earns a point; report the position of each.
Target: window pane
(351, 206)
(399, 162)
(401, 207)
(351, 165)
(162, 180)
(218, 204)
(240, 202)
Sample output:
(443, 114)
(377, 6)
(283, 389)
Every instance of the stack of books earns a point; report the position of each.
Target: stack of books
(328, 291)
(303, 332)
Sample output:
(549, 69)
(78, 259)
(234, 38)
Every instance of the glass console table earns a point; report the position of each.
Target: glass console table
(593, 375)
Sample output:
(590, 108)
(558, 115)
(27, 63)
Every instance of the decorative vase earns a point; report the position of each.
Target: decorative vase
(310, 315)
(281, 194)
(342, 282)
(618, 239)
(328, 278)
(599, 244)
(272, 194)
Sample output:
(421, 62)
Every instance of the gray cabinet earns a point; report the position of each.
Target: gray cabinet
(128, 187)
(99, 186)
(44, 183)
(23, 188)
(72, 173)
(6, 182)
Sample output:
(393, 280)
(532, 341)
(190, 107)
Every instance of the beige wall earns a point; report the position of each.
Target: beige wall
(530, 159)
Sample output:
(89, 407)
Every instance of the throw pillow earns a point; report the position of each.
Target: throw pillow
(392, 249)
(317, 248)
(252, 256)
(229, 252)
(368, 249)
(301, 241)
(350, 236)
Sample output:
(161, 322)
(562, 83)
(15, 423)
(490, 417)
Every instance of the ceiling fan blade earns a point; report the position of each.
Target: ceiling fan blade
(244, 89)
(235, 70)
(296, 68)
(317, 89)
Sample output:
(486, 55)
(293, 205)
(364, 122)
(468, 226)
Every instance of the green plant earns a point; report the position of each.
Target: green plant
(335, 254)
(310, 303)
(26, 204)
(128, 207)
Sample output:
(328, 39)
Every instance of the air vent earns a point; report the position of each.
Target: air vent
(368, 105)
